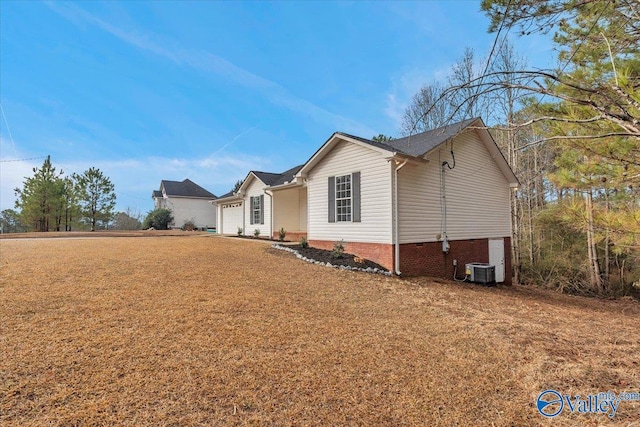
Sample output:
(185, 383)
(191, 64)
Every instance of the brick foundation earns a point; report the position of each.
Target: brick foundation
(380, 253)
(292, 236)
(427, 259)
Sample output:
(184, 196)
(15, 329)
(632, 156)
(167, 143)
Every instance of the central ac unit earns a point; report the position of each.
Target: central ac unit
(481, 272)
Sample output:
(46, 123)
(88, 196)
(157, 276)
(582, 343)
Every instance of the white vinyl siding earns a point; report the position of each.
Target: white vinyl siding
(302, 209)
(477, 195)
(256, 189)
(375, 195)
(201, 211)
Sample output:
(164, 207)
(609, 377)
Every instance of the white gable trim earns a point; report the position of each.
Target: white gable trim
(247, 181)
(330, 144)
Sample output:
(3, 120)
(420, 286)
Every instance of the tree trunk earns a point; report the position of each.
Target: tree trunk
(515, 217)
(607, 256)
(594, 268)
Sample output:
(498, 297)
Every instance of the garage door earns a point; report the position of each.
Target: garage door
(231, 218)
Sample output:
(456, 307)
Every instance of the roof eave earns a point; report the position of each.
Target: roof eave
(296, 182)
(190, 197)
(234, 198)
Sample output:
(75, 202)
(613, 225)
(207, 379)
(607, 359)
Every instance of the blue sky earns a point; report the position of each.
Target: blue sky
(208, 90)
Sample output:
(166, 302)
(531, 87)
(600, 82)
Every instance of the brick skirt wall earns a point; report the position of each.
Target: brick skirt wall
(292, 236)
(426, 259)
(381, 253)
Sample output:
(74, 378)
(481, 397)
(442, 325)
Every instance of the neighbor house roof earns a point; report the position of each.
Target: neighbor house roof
(186, 188)
(156, 193)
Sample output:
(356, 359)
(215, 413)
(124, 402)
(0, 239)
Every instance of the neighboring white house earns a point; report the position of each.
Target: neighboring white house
(187, 201)
(253, 206)
(416, 204)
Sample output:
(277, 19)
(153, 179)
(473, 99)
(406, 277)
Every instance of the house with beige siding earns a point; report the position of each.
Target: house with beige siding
(266, 202)
(187, 201)
(415, 204)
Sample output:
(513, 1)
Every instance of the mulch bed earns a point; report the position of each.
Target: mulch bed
(324, 256)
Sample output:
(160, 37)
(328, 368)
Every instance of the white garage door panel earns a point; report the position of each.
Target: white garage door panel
(231, 218)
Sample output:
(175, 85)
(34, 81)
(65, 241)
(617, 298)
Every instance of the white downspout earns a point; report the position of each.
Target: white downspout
(244, 217)
(218, 218)
(270, 194)
(395, 218)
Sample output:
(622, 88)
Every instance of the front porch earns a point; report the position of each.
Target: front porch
(290, 212)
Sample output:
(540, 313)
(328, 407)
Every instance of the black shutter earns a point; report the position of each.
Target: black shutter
(251, 210)
(332, 199)
(262, 209)
(355, 197)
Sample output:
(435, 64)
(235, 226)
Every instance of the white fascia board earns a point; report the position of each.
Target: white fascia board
(229, 199)
(297, 182)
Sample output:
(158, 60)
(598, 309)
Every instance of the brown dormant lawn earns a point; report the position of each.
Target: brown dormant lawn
(197, 330)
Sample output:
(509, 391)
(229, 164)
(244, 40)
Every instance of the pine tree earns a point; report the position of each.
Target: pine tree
(40, 198)
(96, 197)
(591, 119)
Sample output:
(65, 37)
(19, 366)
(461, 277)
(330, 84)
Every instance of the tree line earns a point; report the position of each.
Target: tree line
(571, 135)
(51, 201)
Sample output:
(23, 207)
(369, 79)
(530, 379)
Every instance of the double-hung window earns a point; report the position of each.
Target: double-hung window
(257, 205)
(343, 198)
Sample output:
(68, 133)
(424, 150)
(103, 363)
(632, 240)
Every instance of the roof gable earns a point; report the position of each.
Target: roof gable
(334, 140)
(419, 145)
(269, 179)
(186, 188)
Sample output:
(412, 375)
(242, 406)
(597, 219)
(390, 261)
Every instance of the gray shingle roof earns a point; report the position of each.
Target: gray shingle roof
(156, 193)
(230, 193)
(186, 188)
(383, 145)
(287, 176)
(421, 143)
(270, 179)
(273, 179)
(267, 177)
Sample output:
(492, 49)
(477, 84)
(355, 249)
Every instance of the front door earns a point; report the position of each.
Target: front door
(496, 257)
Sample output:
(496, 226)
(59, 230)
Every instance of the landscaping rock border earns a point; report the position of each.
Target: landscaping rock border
(328, 264)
